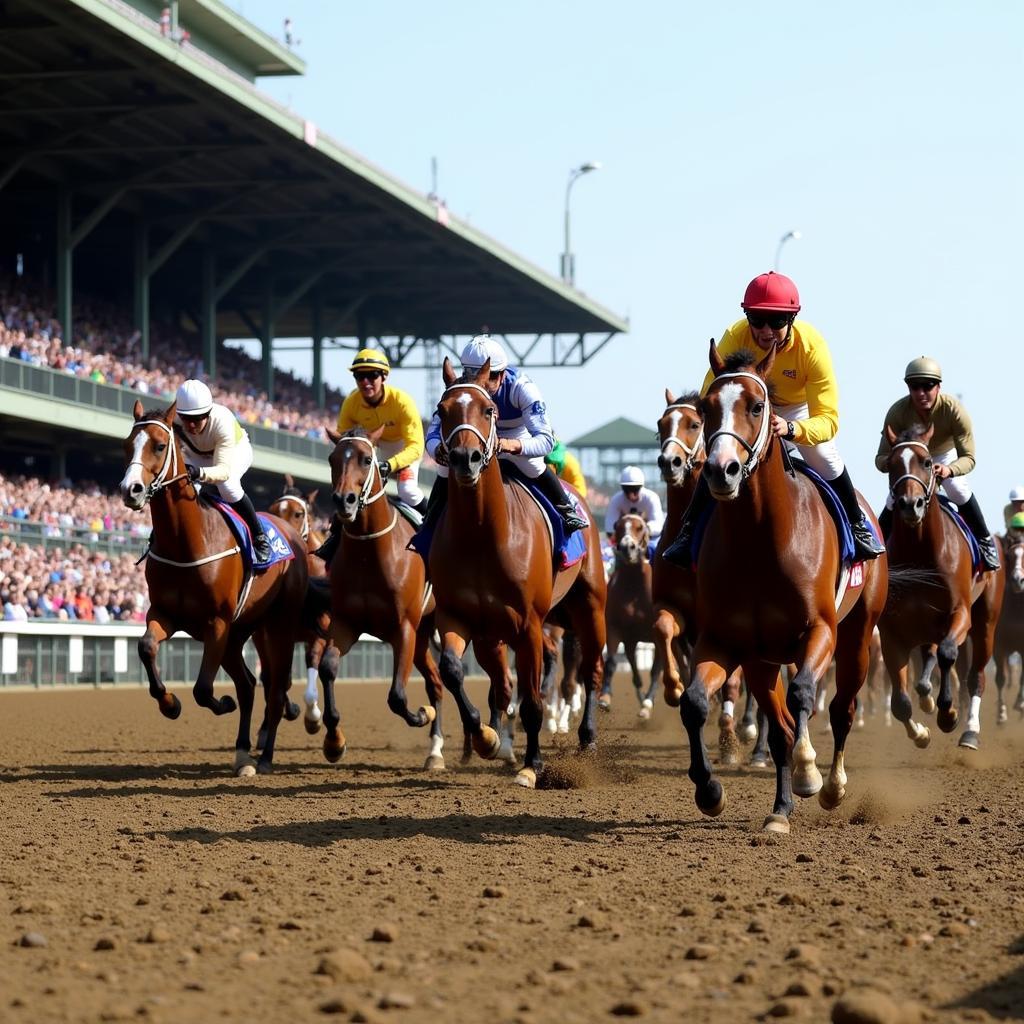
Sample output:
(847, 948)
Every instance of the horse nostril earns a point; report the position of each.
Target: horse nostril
(732, 469)
(350, 499)
(135, 489)
(476, 456)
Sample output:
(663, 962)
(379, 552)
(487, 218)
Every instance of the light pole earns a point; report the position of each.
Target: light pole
(795, 235)
(568, 262)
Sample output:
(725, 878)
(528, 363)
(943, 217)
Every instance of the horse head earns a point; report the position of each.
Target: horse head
(632, 536)
(681, 437)
(469, 424)
(294, 507)
(911, 473)
(1013, 559)
(154, 461)
(737, 420)
(354, 471)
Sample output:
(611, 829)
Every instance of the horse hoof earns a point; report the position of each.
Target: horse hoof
(777, 823)
(527, 778)
(922, 739)
(434, 763)
(1001, 715)
(807, 781)
(830, 798)
(487, 743)
(758, 760)
(246, 771)
(947, 719)
(171, 707)
(551, 725)
(511, 712)
(225, 706)
(747, 733)
(506, 753)
(291, 711)
(674, 696)
(264, 767)
(604, 702)
(969, 740)
(427, 715)
(334, 750)
(312, 725)
(714, 809)
(927, 704)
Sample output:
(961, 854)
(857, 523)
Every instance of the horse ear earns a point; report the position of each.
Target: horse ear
(890, 434)
(375, 435)
(311, 497)
(765, 366)
(926, 437)
(171, 411)
(670, 399)
(288, 480)
(447, 373)
(483, 373)
(137, 411)
(333, 435)
(717, 362)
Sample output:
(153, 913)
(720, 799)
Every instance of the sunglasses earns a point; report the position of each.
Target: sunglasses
(922, 385)
(361, 375)
(776, 321)
(193, 419)
(494, 375)
(630, 490)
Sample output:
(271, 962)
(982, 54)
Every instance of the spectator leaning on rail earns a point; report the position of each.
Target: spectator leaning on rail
(217, 451)
(524, 433)
(634, 498)
(951, 447)
(806, 412)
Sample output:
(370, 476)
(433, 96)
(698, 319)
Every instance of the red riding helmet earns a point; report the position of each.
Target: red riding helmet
(772, 291)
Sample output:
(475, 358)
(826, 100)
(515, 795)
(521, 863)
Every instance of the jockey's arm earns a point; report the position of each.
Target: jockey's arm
(433, 438)
(656, 516)
(225, 430)
(346, 417)
(822, 423)
(535, 419)
(411, 427)
(963, 438)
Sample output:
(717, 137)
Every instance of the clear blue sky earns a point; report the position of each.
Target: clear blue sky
(889, 134)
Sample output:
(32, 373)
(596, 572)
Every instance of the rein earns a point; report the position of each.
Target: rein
(690, 453)
(491, 440)
(757, 450)
(929, 488)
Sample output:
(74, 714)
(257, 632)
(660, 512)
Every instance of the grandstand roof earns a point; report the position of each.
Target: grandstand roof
(618, 433)
(142, 128)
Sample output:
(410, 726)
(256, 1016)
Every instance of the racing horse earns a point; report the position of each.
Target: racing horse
(495, 576)
(197, 584)
(767, 573)
(943, 602)
(296, 508)
(1010, 628)
(629, 614)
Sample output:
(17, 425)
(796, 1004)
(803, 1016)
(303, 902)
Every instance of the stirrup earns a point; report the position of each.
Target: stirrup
(989, 555)
(261, 549)
(866, 544)
(679, 552)
(573, 522)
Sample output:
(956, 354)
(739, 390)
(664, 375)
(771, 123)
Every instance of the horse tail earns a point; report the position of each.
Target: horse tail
(905, 579)
(316, 606)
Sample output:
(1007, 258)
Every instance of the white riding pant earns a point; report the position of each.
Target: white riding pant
(823, 458)
(957, 489)
(230, 490)
(531, 468)
(406, 479)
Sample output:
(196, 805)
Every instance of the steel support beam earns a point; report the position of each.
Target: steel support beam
(267, 336)
(140, 285)
(318, 348)
(208, 311)
(65, 263)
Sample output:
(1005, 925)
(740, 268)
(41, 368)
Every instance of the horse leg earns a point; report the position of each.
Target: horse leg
(342, 639)
(896, 659)
(693, 710)
(638, 684)
(403, 645)
(572, 689)
(245, 686)
(949, 648)
(499, 699)
(818, 648)
(983, 628)
(214, 644)
(1001, 666)
(314, 656)
(923, 686)
(157, 631)
(728, 744)
(604, 701)
(425, 665)
(454, 639)
(771, 696)
(748, 723)
(759, 755)
(531, 713)
(277, 668)
(549, 692)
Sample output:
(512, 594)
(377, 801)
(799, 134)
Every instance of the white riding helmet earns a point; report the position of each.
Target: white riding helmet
(479, 350)
(632, 476)
(1017, 494)
(194, 399)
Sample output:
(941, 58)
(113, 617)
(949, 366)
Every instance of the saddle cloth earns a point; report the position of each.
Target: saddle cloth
(568, 549)
(280, 549)
(949, 507)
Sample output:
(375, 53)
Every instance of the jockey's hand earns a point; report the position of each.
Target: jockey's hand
(385, 471)
(441, 455)
(780, 426)
(194, 473)
(941, 471)
(510, 445)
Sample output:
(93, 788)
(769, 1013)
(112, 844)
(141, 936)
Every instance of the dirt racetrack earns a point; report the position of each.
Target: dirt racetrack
(152, 885)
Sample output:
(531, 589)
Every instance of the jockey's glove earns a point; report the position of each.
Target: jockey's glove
(195, 473)
(385, 471)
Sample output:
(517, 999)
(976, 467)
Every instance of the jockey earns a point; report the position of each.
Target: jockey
(524, 434)
(635, 498)
(217, 451)
(1016, 505)
(806, 413)
(951, 447)
(375, 403)
(567, 467)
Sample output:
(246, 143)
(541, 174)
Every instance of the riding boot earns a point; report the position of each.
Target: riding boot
(865, 544)
(329, 548)
(680, 552)
(885, 521)
(421, 507)
(551, 487)
(971, 511)
(260, 544)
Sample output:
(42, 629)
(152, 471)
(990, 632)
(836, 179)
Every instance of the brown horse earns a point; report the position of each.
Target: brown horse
(297, 508)
(629, 614)
(494, 575)
(378, 587)
(197, 584)
(562, 698)
(1010, 628)
(941, 602)
(766, 594)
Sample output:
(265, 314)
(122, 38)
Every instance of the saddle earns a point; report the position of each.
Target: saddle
(949, 507)
(280, 549)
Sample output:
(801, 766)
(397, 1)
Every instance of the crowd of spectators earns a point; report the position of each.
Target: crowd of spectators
(106, 349)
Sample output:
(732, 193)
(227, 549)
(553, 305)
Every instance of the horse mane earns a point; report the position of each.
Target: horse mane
(688, 398)
(356, 432)
(912, 433)
(745, 360)
(292, 492)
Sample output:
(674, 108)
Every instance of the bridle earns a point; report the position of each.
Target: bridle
(690, 453)
(757, 450)
(491, 440)
(646, 536)
(366, 498)
(304, 505)
(929, 488)
(170, 464)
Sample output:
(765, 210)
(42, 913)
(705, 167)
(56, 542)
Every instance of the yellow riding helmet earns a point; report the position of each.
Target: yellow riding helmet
(371, 359)
(923, 368)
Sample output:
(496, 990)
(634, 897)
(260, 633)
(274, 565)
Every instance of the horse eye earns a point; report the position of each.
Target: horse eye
(160, 448)
(757, 408)
(927, 463)
(693, 426)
